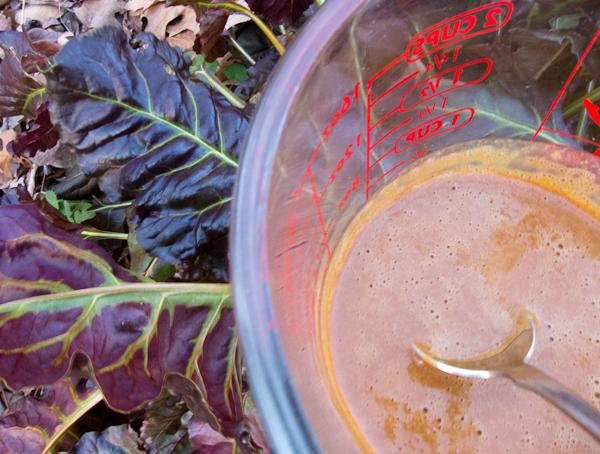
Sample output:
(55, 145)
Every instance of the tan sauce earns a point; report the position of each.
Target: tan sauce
(449, 254)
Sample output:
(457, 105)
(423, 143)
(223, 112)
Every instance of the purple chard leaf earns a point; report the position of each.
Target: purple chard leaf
(131, 112)
(62, 295)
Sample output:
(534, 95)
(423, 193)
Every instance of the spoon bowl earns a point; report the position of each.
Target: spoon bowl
(510, 360)
(514, 352)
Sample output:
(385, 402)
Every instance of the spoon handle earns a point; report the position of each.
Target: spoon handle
(531, 378)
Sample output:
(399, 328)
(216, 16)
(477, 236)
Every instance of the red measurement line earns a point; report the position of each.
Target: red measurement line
(400, 164)
(385, 117)
(393, 130)
(368, 142)
(393, 87)
(417, 155)
(317, 202)
(573, 136)
(567, 83)
(378, 160)
(385, 69)
(309, 165)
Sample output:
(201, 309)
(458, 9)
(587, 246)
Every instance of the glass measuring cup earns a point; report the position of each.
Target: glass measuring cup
(367, 89)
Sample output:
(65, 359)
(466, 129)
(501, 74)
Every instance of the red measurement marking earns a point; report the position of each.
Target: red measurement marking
(317, 202)
(393, 130)
(572, 136)
(430, 87)
(456, 53)
(368, 144)
(349, 192)
(478, 21)
(346, 103)
(593, 111)
(338, 168)
(442, 124)
(430, 110)
(418, 155)
(335, 119)
(394, 87)
(440, 59)
(566, 85)
(475, 22)
(385, 69)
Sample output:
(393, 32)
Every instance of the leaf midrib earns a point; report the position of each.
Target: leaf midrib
(503, 120)
(152, 288)
(211, 148)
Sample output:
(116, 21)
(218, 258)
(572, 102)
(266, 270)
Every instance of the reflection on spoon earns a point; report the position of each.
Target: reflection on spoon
(510, 360)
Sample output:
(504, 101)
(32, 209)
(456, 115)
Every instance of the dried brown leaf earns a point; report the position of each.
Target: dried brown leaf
(5, 22)
(176, 24)
(184, 40)
(136, 5)
(237, 18)
(194, 398)
(46, 12)
(162, 424)
(115, 439)
(97, 13)
(212, 23)
(7, 163)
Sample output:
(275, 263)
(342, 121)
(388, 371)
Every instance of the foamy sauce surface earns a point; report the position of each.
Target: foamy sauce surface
(451, 262)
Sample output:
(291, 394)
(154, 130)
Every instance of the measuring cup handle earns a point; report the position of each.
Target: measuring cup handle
(531, 378)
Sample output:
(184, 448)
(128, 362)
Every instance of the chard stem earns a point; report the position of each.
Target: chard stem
(214, 82)
(576, 106)
(112, 206)
(584, 119)
(103, 235)
(242, 51)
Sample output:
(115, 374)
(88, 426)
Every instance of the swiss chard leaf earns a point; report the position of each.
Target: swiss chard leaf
(20, 439)
(20, 92)
(37, 258)
(41, 419)
(134, 335)
(132, 108)
(499, 113)
(17, 88)
(280, 11)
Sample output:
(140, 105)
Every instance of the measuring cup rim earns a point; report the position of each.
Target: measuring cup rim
(274, 394)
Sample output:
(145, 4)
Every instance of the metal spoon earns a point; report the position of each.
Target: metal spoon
(510, 361)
